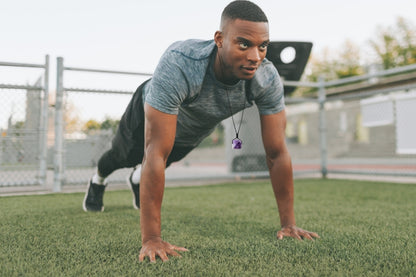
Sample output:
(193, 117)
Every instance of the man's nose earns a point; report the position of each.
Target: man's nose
(254, 55)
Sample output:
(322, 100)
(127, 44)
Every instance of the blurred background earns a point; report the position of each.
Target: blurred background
(68, 69)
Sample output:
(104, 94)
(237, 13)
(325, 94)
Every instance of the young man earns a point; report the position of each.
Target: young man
(195, 86)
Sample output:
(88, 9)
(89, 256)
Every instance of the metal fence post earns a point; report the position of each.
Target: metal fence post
(322, 126)
(58, 148)
(44, 127)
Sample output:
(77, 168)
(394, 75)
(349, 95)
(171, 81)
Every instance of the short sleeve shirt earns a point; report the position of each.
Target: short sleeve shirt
(184, 84)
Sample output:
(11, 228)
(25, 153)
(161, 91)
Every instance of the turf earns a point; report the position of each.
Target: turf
(366, 229)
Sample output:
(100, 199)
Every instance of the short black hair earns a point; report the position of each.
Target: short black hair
(245, 10)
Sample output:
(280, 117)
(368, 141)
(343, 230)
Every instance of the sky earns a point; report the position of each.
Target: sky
(131, 35)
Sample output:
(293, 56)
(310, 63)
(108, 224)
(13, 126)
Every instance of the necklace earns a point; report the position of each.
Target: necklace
(236, 142)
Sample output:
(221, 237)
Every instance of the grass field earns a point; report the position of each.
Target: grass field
(366, 229)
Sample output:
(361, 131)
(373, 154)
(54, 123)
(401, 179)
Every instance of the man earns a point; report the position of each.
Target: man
(196, 85)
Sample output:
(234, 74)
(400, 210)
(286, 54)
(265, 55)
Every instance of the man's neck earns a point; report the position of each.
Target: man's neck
(220, 71)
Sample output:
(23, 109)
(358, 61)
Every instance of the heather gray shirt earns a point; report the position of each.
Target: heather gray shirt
(184, 84)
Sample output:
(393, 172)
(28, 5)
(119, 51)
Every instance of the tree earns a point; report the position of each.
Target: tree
(109, 123)
(18, 128)
(91, 125)
(348, 62)
(322, 64)
(342, 64)
(331, 66)
(71, 117)
(395, 45)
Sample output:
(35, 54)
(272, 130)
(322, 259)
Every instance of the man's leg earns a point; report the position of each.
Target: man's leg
(107, 164)
(177, 154)
(126, 151)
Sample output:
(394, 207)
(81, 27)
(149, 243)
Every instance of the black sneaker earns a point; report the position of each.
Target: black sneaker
(93, 200)
(135, 188)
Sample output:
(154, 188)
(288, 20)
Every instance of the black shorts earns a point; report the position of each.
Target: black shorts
(128, 143)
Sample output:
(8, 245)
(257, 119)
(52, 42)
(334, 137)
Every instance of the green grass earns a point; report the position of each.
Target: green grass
(366, 229)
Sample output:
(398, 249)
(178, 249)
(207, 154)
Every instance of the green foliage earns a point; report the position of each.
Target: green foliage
(393, 46)
(345, 63)
(19, 125)
(396, 45)
(348, 63)
(366, 229)
(108, 124)
(91, 125)
(330, 66)
(18, 128)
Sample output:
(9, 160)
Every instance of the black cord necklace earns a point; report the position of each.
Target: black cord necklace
(236, 142)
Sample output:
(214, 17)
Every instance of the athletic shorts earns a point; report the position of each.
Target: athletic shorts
(128, 144)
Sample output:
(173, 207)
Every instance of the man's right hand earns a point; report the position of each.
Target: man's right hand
(160, 130)
(157, 247)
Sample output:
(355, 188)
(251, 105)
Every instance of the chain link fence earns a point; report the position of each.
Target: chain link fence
(364, 131)
(23, 124)
(367, 132)
(373, 134)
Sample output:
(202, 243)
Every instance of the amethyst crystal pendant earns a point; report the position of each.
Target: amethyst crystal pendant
(236, 144)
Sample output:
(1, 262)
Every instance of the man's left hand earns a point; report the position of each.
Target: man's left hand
(296, 232)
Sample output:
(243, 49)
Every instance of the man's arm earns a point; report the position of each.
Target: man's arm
(281, 174)
(160, 129)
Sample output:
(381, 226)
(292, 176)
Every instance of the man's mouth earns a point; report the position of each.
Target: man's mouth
(249, 69)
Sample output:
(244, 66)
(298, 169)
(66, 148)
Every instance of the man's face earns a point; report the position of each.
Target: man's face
(242, 46)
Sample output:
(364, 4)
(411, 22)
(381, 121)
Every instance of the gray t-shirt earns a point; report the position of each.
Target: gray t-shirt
(184, 84)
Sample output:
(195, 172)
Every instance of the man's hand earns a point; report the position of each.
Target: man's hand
(157, 247)
(295, 232)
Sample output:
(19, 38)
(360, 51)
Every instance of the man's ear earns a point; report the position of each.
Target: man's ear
(218, 38)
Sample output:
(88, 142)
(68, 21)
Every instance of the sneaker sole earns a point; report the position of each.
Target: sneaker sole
(131, 188)
(84, 203)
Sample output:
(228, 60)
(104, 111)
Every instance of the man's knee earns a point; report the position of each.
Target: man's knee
(108, 163)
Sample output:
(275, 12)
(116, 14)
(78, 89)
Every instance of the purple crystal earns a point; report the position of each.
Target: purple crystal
(237, 143)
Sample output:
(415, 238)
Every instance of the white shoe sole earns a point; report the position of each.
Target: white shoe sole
(84, 203)
(131, 188)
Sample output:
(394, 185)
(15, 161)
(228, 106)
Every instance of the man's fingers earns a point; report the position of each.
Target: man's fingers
(173, 253)
(178, 248)
(163, 252)
(296, 236)
(296, 233)
(163, 256)
(152, 257)
(307, 236)
(315, 235)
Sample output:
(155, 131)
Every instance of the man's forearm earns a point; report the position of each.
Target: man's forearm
(281, 176)
(152, 183)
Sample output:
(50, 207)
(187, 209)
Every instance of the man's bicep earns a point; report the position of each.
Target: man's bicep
(273, 131)
(160, 130)
(169, 85)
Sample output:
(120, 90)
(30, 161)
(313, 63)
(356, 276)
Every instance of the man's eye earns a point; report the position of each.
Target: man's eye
(263, 47)
(243, 45)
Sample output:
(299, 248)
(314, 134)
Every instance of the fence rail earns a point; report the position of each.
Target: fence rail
(42, 128)
(326, 134)
(59, 151)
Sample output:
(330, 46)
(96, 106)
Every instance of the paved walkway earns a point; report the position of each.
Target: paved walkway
(204, 173)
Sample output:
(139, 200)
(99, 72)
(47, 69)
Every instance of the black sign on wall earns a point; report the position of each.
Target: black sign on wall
(290, 59)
